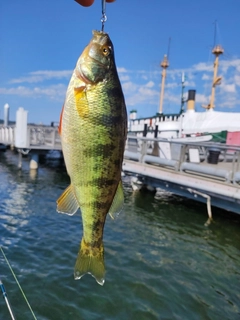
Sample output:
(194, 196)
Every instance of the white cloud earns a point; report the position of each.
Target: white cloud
(229, 88)
(202, 99)
(55, 92)
(171, 85)
(142, 87)
(21, 91)
(226, 64)
(146, 91)
(168, 97)
(237, 79)
(202, 66)
(206, 77)
(144, 77)
(129, 87)
(40, 76)
(136, 94)
(229, 103)
(150, 84)
(190, 84)
(124, 77)
(122, 70)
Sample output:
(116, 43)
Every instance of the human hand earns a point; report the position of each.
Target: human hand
(88, 3)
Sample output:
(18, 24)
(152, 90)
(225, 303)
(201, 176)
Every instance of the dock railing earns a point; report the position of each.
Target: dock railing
(43, 137)
(7, 135)
(33, 138)
(25, 137)
(208, 159)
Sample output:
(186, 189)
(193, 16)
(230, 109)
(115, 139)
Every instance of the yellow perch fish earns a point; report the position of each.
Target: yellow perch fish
(93, 128)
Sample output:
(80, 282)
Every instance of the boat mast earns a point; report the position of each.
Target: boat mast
(182, 96)
(217, 51)
(164, 65)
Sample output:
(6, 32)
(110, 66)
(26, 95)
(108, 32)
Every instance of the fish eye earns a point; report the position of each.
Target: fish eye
(106, 51)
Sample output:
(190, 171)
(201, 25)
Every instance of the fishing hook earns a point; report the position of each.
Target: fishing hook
(104, 17)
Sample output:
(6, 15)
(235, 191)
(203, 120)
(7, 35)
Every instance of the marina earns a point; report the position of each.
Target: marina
(204, 171)
(191, 154)
(161, 213)
(162, 261)
(193, 166)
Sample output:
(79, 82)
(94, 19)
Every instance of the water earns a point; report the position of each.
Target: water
(162, 261)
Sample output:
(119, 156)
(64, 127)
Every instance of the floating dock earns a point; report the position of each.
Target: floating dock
(203, 171)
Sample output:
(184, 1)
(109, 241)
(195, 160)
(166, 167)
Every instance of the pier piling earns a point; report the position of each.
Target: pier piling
(33, 165)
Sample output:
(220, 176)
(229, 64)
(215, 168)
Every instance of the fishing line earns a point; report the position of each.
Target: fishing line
(104, 17)
(15, 277)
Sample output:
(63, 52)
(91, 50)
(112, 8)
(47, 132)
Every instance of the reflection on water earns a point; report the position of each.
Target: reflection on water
(14, 202)
(162, 261)
(16, 205)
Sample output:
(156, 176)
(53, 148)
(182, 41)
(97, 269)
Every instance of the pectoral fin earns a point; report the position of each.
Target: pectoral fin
(67, 202)
(81, 101)
(118, 201)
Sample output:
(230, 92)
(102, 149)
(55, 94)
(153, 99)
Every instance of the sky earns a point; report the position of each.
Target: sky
(41, 40)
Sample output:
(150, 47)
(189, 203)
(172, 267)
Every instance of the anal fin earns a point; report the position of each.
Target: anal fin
(67, 202)
(118, 202)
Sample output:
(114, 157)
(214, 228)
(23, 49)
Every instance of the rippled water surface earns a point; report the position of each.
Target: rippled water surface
(162, 261)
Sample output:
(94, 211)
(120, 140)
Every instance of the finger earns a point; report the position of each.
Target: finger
(85, 3)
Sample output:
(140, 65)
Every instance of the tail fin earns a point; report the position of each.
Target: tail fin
(90, 260)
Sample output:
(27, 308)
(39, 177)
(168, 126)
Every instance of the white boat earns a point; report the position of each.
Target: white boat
(190, 125)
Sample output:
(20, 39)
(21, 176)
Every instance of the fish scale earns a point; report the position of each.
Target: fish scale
(93, 133)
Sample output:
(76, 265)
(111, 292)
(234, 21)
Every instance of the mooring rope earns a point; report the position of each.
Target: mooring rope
(15, 277)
